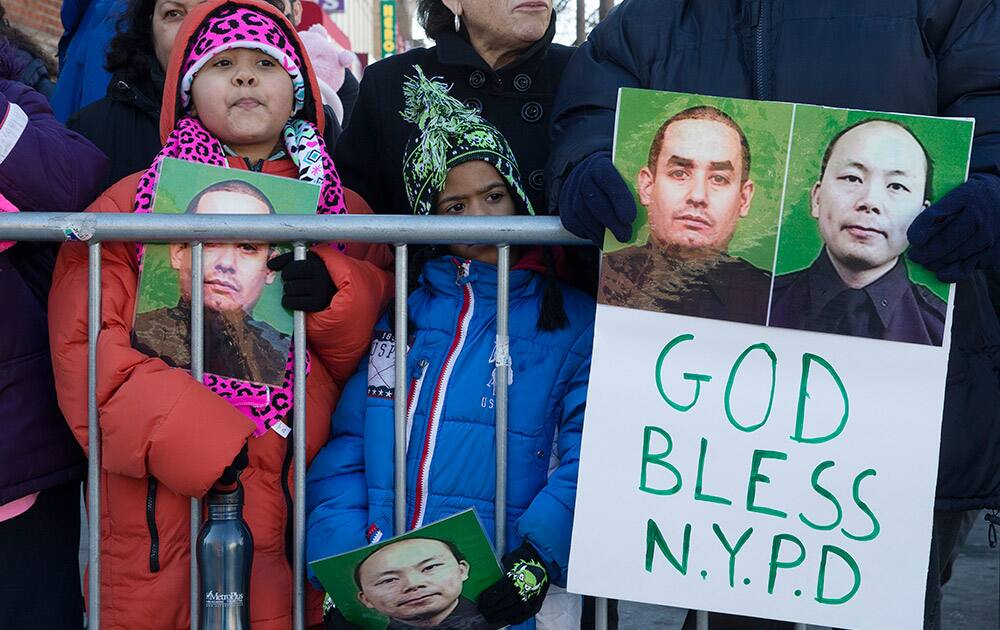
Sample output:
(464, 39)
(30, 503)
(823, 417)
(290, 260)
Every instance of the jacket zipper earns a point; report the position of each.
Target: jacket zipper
(760, 27)
(416, 384)
(437, 401)
(154, 535)
(286, 491)
(258, 167)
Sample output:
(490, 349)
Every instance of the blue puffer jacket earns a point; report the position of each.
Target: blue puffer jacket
(933, 57)
(450, 459)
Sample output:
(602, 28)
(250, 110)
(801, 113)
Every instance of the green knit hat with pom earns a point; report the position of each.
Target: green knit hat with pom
(448, 134)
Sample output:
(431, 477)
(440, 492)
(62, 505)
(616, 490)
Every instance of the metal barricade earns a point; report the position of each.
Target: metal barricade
(399, 231)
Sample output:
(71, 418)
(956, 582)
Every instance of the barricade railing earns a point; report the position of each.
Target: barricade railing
(398, 231)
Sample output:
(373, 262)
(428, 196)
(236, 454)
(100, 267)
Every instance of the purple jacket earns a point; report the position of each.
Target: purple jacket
(43, 166)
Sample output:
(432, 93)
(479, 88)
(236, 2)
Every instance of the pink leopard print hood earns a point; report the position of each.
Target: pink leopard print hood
(172, 107)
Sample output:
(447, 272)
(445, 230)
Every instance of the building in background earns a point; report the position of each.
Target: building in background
(38, 18)
(376, 28)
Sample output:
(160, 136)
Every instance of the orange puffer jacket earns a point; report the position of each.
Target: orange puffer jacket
(166, 438)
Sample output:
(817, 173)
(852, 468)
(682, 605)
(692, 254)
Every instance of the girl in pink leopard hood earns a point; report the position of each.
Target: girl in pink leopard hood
(240, 93)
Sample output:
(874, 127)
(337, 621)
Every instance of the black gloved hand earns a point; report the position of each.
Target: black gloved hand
(518, 595)
(231, 472)
(961, 232)
(595, 196)
(307, 283)
(334, 620)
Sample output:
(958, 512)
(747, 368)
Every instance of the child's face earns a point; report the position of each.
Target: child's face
(475, 189)
(243, 97)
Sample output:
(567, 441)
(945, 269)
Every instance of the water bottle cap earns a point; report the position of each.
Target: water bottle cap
(233, 496)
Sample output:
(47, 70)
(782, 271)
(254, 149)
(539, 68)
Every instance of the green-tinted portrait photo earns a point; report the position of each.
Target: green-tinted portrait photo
(856, 182)
(707, 177)
(779, 214)
(247, 333)
(428, 578)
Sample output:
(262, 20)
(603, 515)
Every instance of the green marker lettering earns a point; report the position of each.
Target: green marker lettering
(821, 581)
(698, 494)
(732, 549)
(757, 477)
(688, 376)
(657, 459)
(655, 539)
(800, 415)
(783, 564)
(732, 377)
(876, 528)
(823, 492)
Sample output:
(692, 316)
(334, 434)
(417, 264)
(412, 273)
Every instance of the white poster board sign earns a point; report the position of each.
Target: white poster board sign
(765, 404)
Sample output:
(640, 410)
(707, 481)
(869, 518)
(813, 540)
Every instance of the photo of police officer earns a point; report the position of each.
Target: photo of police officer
(417, 583)
(235, 275)
(876, 176)
(696, 187)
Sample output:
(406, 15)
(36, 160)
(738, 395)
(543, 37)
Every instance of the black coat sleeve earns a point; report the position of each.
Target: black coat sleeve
(332, 130)
(357, 152)
(348, 94)
(965, 35)
(616, 54)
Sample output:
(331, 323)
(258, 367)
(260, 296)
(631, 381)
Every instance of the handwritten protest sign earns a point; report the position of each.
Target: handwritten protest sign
(768, 373)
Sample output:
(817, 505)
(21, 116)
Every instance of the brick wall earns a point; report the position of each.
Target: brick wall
(39, 18)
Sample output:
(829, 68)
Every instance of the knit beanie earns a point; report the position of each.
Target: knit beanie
(242, 27)
(448, 134)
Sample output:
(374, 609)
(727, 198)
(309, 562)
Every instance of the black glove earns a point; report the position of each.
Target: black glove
(518, 595)
(232, 471)
(595, 196)
(961, 232)
(334, 620)
(307, 283)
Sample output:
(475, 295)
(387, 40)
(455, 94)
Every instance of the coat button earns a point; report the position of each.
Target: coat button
(537, 179)
(474, 103)
(477, 79)
(522, 82)
(532, 112)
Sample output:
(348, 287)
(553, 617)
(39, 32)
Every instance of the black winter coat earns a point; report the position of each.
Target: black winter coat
(516, 98)
(125, 124)
(934, 57)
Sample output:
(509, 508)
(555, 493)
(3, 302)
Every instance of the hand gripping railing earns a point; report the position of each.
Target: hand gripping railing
(399, 231)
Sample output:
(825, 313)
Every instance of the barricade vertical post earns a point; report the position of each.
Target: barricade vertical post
(299, 445)
(702, 620)
(93, 440)
(600, 613)
(399, 396)
(198, 374)
(501, 380)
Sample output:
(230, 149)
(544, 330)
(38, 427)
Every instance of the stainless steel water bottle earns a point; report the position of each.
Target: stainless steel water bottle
(225, 556)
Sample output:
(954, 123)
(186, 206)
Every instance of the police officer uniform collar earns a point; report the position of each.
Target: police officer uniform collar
(886, 294)
(455, 49)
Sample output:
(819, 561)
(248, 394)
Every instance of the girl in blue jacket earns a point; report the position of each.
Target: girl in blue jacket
(459, 164)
